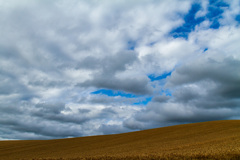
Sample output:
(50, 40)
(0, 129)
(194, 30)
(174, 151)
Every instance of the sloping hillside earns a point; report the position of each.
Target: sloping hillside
(215, 139)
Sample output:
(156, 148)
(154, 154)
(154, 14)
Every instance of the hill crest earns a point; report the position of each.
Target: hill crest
(209, 139)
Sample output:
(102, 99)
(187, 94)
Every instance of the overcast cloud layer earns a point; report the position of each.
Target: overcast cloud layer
(71, 68)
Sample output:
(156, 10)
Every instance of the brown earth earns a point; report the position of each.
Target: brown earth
(206, 140)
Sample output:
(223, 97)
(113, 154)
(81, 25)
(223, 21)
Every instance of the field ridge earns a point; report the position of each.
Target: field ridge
(205, 140)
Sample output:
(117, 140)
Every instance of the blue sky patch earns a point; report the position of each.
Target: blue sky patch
(153, 77)
(237, 18)
(218, 3)
(205, 49)
(152, 44)
(143, 102)
(167, 92)
(215, 24)
(189, 22)
(215, 10)
(131, 45)
(114, 93)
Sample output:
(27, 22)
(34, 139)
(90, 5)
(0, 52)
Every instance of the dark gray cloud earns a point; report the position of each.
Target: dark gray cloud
(161, 98)
(53, 113)
(203, 90)
(133, 124)
(165, 114)
(107, 70)
(109, 64)
(209, 80)
(113, 129)
(220, 71)
(46, 121)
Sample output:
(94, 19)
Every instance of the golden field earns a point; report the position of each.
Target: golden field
(206, 140)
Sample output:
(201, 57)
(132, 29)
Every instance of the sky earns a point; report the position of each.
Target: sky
(73, 68)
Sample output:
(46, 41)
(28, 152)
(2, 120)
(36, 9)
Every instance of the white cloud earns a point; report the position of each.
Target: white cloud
(53, 54)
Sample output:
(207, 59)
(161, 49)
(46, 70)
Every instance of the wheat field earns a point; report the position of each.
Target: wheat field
(205, 140)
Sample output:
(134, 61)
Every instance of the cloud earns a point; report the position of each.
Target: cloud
(106, 76)
(47, 121)
(173, 112)
(55, 55)
(113, 128)
(204, 88)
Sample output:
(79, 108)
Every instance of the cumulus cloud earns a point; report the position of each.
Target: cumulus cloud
(55, 55)
(203, 88)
